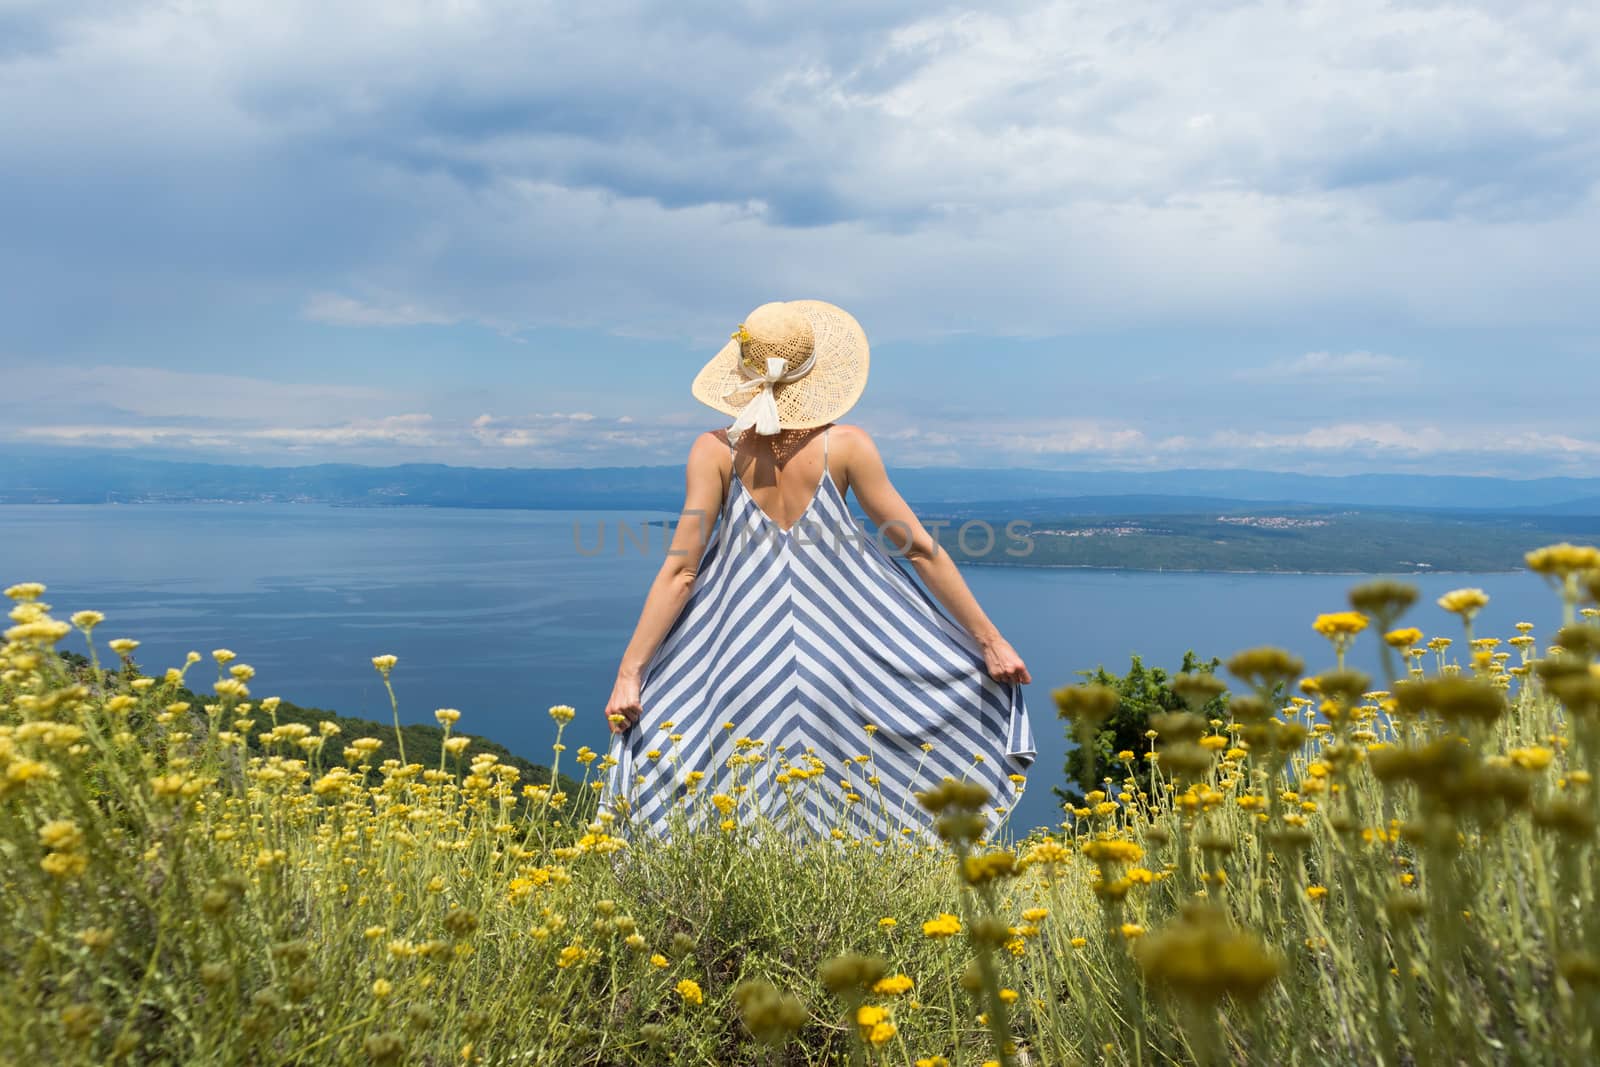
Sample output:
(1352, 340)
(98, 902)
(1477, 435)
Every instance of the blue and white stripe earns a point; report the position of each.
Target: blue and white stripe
(800, 638)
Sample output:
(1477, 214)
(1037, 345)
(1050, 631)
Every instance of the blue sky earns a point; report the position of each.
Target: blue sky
(1330, 235)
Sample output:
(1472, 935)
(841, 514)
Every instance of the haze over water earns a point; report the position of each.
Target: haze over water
(498, 614)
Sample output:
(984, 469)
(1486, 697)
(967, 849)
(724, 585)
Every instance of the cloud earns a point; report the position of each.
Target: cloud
(1428, 441)
(399, 430)
(305, 423)
(1341, 368)
(47, 390)
(1074, 438)
(285, 184)
(1025, 169)
(1330, 447)
(552, 430)
(129, 407)
(339, 310)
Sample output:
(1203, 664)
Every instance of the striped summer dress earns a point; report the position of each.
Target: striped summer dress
(811, 679)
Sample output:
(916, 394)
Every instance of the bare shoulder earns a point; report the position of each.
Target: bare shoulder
(856, 463)
(709, 443)
(709, 454)
(853, 439)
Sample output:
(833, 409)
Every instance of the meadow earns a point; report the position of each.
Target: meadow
(1337, 869)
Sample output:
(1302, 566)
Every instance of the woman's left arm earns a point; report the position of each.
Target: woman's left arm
(676, 578)
(898, 523)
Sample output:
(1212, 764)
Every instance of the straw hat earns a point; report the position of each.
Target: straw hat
(791, 365)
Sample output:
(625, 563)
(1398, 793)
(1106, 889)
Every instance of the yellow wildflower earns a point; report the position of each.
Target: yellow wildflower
(1403, 638)
(870, 1015)
(1464, 602)
(61, 835)
(1536, 758)
(1112, 850)
(1563, 559)
(1340, 624)
(892, 986)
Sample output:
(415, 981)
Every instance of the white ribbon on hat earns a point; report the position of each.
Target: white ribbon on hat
(761, 413)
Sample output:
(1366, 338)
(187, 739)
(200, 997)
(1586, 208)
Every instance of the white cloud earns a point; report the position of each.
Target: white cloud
(1338, 368)
(409, 429)
(1031, 167)
(412, 430)
(154, 392)
(568, 433)
(1084, 439)
(1376, 439)
(558, 439)
(339, 310)
(1344, 446)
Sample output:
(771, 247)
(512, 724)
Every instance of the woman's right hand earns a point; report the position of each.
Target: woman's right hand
(624, 703)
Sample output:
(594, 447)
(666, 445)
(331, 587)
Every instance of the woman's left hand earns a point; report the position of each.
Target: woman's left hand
(1003, 663)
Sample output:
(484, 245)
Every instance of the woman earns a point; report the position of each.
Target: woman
(785, 663)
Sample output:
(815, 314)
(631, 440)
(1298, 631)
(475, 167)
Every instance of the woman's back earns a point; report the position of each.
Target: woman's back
(782, 477)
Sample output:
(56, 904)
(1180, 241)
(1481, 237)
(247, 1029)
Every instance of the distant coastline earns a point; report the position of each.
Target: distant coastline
(1341, 542)
(1195, 521)
(1208, 570)
(46, 475)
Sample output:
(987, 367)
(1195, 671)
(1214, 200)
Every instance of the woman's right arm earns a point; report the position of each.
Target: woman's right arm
(705, 478)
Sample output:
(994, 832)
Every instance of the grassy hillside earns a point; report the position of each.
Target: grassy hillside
(1382, 871)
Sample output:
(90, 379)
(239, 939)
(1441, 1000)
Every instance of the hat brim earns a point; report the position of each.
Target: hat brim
(832, 387)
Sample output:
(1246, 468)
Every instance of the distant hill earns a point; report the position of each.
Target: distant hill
(1265, 538)
(61, 477)
(1585, 506)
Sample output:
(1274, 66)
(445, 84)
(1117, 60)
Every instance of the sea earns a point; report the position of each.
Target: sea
(501, 614)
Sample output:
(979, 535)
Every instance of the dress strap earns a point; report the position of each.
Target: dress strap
(825, 446)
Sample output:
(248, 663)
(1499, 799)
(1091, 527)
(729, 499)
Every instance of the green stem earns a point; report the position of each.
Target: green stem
(394, 707)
